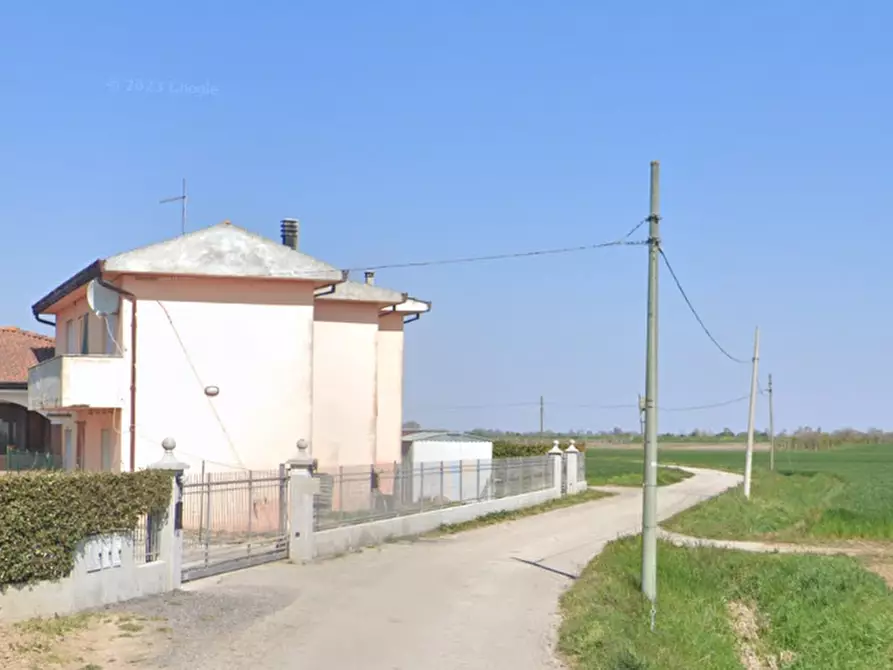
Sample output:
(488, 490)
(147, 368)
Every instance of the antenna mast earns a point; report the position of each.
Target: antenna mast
(182, 198)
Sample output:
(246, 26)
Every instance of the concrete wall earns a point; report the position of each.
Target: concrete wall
(252, 339)
(339, 540)
(345, 383)
(389, 422)
(83, 589)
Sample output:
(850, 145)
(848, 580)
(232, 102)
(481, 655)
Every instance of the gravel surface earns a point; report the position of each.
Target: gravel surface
(482, 599)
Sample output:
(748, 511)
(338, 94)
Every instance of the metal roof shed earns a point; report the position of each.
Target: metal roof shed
(431, 446)
(447, 466)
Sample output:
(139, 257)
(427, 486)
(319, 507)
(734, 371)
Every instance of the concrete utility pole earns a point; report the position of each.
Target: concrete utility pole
(542, 416)
(771, 429)
(649, 499)
(748, 464)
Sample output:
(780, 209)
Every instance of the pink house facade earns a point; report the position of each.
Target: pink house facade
(181, 346)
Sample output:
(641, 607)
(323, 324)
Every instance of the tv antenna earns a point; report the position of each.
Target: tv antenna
(182, 199)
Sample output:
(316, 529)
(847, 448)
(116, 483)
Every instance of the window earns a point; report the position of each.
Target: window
(111, 334)
(71, 337)
(7, 435)
(85, 334)
(105, 441)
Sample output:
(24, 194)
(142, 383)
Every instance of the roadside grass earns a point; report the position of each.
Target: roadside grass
(720, 609)
(624, 468)
(84, 641)
(819, 496)
(501, 517)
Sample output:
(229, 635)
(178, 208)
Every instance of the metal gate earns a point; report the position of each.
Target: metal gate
(233, 520)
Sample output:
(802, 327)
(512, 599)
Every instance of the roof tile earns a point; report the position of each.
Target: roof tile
(20, 350)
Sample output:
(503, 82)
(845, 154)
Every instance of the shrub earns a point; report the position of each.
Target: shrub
(44, 515)
(504, 449)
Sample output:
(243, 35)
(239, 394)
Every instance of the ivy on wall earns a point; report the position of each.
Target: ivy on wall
(44, 515)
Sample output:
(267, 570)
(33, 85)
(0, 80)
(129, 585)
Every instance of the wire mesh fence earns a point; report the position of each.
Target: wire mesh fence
(20, 461)
(353, 495)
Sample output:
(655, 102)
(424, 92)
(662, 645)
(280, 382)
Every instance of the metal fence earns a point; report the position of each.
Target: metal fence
(145, 539)
(17, 460)
(233, 517)
(353, 495)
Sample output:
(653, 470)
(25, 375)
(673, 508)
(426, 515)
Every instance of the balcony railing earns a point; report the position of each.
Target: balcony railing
(73, 381)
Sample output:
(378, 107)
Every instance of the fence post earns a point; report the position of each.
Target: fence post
(302, 486)
(170, 528)
(572, 454)
(557, 463)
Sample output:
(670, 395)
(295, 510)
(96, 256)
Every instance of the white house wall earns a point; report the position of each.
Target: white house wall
(252, 340)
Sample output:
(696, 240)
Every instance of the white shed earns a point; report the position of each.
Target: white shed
(448, 465)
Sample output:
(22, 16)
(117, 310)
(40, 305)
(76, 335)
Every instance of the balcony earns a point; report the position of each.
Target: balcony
(76, 381)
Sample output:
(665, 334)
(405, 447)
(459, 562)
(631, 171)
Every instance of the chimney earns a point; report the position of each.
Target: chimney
(370, 277)
(290, 229)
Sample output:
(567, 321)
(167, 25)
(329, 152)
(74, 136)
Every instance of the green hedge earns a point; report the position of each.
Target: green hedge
(505, 449)
(44, 515)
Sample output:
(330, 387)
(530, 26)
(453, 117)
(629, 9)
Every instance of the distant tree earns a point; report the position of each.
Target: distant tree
(412, 425)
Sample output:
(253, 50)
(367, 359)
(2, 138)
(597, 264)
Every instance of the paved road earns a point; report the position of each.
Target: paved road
(482, 599)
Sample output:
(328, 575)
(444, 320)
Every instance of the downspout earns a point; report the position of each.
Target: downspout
(132, 298)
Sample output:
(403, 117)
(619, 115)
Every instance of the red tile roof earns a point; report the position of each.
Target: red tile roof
(19, 350)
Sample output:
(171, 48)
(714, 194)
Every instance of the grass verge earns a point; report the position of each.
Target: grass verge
(501, 517)
(723, 610)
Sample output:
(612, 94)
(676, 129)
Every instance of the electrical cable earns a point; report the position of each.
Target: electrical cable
(695, 312)
(623, 241)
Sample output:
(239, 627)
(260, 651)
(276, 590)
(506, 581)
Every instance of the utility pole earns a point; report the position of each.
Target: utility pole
(771, 429)
(542, 416)
(748, 463)
(649, 498)
(182, 199)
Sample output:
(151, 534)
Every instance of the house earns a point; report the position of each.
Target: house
(22, 430)
(211, 338)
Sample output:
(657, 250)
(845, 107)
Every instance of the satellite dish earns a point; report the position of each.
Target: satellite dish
(101, 300)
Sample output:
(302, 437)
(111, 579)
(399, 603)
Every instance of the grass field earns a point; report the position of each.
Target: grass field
(723, 610)
(844, 493)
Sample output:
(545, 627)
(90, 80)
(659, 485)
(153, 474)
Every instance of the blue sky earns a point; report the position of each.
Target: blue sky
(403, 131)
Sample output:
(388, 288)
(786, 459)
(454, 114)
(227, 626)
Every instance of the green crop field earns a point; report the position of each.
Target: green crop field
(841, 493)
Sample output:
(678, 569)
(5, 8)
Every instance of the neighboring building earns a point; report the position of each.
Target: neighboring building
(389, 424)
(22, 430)
(447, 465)
(346, 373)
(213, 340)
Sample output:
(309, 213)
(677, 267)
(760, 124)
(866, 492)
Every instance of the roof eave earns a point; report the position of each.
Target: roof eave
(92, 271)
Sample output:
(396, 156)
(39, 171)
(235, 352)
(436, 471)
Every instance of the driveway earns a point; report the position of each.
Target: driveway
(482, 599)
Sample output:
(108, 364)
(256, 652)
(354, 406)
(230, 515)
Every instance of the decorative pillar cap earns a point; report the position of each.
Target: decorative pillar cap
(168, 460)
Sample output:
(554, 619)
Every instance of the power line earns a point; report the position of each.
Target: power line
(691, 408)
(695, 312)
(623, 241)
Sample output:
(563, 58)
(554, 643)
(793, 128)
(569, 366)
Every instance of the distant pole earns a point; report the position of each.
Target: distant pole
(748, 464)
(649, 499)
(542, 416)
(182, 199)
(771, 429)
